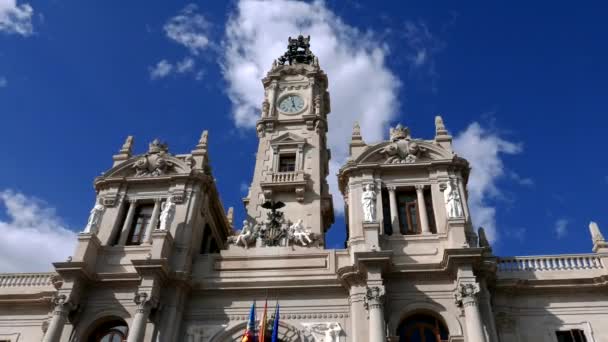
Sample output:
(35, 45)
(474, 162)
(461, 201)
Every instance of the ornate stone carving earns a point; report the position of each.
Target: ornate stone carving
(374, 297)
(317, 104)
(298, 52)
(265, 108)
(94, 219)
(322, 332)
(155, 162)
(368, 203)
(143, 301)
(274, 229)
(245, 237)
(62, 305)
(466, 293)
(402, 149)
(299, 234)
(453, 202)
(167, 215)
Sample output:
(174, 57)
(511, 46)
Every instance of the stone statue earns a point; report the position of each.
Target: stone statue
(245, 236)
(323, 332)
(453, 203)
(596, 234)
(300, 233)
(94, 219)
(166, 216)
(368, 202)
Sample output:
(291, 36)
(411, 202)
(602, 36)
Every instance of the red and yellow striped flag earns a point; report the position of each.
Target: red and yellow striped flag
(262, 336)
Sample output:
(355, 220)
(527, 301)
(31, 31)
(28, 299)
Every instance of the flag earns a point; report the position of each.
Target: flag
(262, 337)
(249, 335)
(275, 326)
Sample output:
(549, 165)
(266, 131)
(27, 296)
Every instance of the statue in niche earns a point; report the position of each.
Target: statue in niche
(300, 234)
(368, 202)
(94, 219)
(166, 216)
(453, 202)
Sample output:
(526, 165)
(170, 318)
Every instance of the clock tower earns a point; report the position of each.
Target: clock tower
(292, 161)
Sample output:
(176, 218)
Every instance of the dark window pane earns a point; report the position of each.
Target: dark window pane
(287, 163)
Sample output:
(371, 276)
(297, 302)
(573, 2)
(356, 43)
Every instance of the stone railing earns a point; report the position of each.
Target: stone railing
(286, 177)
(26, 279)
(550, 263)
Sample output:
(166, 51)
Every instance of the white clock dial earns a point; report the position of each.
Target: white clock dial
(291, 104)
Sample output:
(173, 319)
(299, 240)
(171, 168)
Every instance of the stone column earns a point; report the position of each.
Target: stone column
(137, 330)
(424, 219)
(394, 213)
(467, 296)
(374, 300)
(60, 315)
(153, 221)
(126, 227)
(464, 199)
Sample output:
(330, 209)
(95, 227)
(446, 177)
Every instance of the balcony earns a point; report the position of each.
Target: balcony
(285, 182)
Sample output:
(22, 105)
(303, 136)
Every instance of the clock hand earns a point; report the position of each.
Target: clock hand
(293, 104)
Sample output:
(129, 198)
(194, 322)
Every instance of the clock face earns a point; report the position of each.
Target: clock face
(291, 104)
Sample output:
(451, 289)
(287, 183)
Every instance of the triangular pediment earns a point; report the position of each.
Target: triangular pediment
(288, 138)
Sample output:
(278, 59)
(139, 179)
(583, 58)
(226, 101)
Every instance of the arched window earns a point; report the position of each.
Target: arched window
(422, 328)
(111, 331)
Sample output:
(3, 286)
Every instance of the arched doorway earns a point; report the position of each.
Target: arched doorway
(422, 327)
(114, 330)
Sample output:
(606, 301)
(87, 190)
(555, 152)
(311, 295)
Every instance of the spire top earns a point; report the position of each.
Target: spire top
(298, 52)
(127, 147)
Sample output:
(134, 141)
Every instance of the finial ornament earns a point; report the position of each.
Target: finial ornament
(298, 52)
(596, 234)
(127, 147)
(483, 239)
(204, 138)
(356, 130)
(156, 146)
(440, 126)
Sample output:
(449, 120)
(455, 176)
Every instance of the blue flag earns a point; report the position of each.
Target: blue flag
(249, 335)
(275, 326)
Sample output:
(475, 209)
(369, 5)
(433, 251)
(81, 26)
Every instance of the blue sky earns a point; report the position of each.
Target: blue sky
(521, 87)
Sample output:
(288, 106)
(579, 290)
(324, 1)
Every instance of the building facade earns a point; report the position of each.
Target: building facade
(159, 259)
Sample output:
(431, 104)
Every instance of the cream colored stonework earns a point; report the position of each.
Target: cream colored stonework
(190, 282)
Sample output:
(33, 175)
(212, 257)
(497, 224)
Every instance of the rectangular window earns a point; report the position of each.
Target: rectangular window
(407, 207)
(574, 335)
(143, 216)
(287, 163)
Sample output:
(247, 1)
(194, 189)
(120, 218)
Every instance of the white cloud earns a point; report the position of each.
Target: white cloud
(185, 65)
(256, 34)
(422, 48)
(16, 19)
(162, 69)
(33, 235)
(484, 149)
(3, 82)
(561, 227)
(189, 29)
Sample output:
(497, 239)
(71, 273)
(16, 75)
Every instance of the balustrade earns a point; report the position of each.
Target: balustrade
(26, 279)
(550, 263)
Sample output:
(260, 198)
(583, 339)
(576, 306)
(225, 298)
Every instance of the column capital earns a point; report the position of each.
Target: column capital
(391, 188)
(132, 200)
(374, 297)
(144, 302)
(466, 293)
(62, 305)
(419, 187)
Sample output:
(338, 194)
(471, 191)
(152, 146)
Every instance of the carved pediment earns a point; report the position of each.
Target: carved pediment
(403, 151)
(288, 139)
(154, 163)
